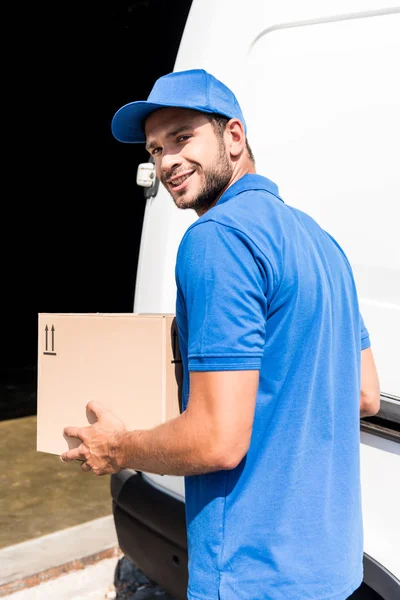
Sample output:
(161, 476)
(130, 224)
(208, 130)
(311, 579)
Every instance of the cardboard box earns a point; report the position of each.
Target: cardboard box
(128, 362)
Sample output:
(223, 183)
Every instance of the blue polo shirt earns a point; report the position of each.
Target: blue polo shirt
(261, 286)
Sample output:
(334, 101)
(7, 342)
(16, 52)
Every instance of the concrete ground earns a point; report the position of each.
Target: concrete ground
(40, 494)
(79, 563)
(90, 584)
(70, 563)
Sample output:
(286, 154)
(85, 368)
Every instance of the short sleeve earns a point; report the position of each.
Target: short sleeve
(365, 341)
(224, 290)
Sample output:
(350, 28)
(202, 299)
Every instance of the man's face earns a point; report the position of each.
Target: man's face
(191, 159)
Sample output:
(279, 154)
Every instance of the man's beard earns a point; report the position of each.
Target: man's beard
(216, 179)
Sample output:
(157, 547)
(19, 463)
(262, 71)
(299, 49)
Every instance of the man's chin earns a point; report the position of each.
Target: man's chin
(184, 200)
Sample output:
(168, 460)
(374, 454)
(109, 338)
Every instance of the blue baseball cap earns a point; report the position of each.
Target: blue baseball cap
(195, 89)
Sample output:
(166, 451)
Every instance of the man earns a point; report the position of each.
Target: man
(273, 348)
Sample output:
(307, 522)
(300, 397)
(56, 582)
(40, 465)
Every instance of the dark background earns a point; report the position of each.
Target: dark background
(72, 212)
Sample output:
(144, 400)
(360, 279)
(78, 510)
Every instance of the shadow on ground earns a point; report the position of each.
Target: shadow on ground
(131, 584)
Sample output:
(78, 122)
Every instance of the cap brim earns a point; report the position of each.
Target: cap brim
(127, 123)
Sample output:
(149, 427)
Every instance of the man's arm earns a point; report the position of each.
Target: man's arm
(212, 434)
(370, 389)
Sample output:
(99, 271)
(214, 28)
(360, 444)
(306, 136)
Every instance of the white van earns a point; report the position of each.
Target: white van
(319, 86)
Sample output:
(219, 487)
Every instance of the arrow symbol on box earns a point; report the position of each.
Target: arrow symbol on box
(46, 343)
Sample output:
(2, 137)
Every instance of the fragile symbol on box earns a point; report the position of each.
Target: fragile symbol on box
(46, 343)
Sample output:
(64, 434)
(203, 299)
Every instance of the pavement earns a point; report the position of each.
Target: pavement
(79, 563)
(47, 562)
(89, 584)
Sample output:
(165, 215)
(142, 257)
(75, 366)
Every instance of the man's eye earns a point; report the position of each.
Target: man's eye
(183, 138)
(155, 151)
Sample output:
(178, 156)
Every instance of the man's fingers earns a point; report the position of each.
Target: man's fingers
(73, 432)
(95, 407)
(74, 454)
(86, 467)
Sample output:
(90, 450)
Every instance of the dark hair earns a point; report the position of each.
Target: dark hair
(219, 123)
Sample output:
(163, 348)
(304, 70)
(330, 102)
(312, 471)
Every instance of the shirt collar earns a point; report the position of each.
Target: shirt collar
(250, 182)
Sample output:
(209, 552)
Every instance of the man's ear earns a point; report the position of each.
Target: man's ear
(236, 137)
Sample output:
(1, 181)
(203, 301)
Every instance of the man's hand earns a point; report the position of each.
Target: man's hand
(98, 440)
(370, 397)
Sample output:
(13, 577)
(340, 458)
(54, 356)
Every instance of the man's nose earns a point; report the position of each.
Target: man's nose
(170, 162)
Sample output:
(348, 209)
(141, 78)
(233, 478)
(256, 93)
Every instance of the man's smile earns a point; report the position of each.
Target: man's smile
(178, 182)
